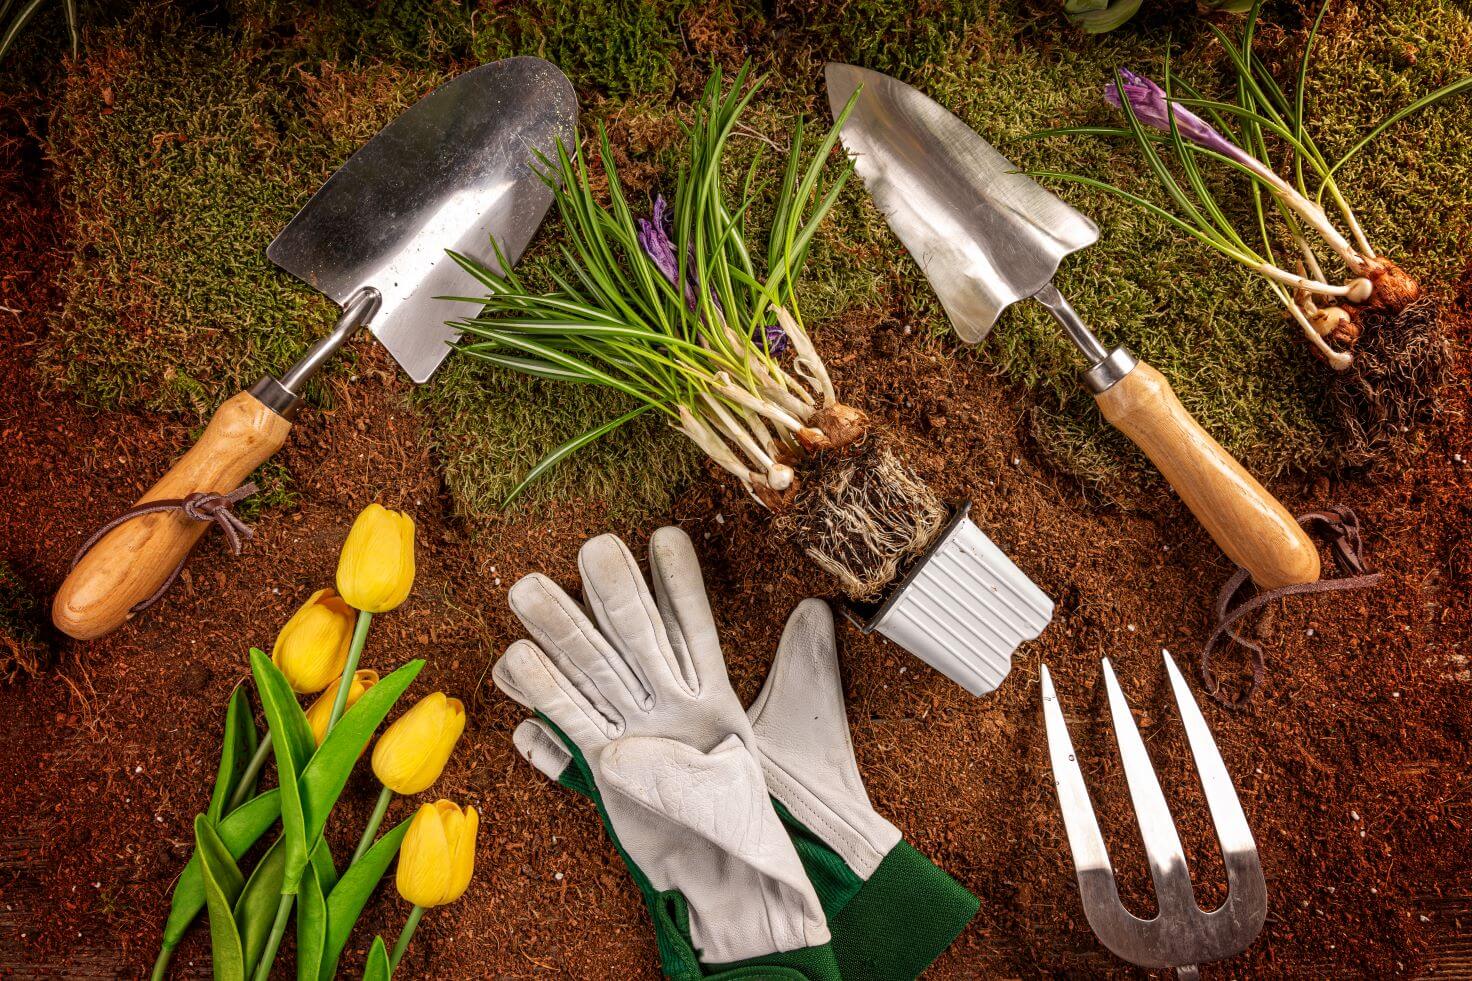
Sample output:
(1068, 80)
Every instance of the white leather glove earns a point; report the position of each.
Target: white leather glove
(639, 686)
(890, 910)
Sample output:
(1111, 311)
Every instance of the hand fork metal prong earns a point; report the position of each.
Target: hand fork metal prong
(1181, 935)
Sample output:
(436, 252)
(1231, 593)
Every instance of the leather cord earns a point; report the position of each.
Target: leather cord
(1339, 527)
(199, 506)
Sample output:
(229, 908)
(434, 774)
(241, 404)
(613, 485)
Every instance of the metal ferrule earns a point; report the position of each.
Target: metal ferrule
(282, 397)
(1104, 375)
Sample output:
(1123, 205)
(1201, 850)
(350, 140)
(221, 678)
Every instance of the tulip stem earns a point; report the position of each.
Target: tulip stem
(248, 778)
(371, 831)
(410, 925)
(360, 637)
(273, 942)
(161, 966)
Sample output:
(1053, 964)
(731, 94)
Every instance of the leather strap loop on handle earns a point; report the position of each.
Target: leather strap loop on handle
(131, 562)
(1247, 522)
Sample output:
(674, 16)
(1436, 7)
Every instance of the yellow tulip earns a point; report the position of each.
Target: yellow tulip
(376, 568)
(412, 752)
(312, 648)
(437, 856)
(322, 708)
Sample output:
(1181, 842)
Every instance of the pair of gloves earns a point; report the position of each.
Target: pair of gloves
(749, 833)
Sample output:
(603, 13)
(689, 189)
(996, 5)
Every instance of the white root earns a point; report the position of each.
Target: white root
(742, 397)
(733, 430)
(1338, 360)
(714, 447)
(1272, 272)
(809, 365)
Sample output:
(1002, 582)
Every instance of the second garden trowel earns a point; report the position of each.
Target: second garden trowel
(987, 236)
(454, 171)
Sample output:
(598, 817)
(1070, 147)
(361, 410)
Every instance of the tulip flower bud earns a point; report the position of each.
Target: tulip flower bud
(376, 569)
(412, 752)
(321, 709)
(312, 648)
(437, 856)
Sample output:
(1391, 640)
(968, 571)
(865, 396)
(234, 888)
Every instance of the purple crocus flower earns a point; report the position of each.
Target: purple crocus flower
(1155, 110)
(656, 238)
(656, 241)
(777, 341)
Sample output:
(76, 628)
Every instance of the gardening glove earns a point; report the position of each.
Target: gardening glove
(891, 911)
(638, 688)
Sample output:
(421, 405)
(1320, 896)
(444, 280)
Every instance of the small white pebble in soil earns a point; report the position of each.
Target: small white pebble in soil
(1395, 694)
(1130, 627)
(557, 876)
(1309, 631)
(720, 519)
(1354, 815)
(1424, 919)
(137, 769)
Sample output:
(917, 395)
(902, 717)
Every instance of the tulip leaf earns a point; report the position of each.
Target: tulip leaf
(323, 865)
(345, 903)
(255, 910)
(291, 738)
(377, 968)
(239, 829)
(222, 886)
(235, 752)
(311, 927)
(328, 770)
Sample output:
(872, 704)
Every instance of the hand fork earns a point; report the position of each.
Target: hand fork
(1181, 935)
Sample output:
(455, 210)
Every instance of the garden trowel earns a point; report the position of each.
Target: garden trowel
(987, 236)
(454, 171)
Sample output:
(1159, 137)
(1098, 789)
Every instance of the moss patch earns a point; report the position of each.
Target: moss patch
(179, 161)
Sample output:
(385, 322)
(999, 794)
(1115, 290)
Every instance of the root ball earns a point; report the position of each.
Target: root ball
(1401, 362)
(862, 518)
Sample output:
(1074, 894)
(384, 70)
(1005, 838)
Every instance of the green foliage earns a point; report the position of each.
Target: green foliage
(223, 884)
(344, 903)
(238, 830)
(1100, 16)
(898, 37)
(238, 747)
(378, 967)
(16, 14)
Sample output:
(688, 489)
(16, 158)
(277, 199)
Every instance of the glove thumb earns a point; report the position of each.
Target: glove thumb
(539, 746)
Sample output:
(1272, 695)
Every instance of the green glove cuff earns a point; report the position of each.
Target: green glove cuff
(901, 919)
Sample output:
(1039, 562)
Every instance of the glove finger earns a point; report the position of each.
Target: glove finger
(684, 605)
(539, 746)
(561, 628)
(804, 678)
(528, 675)
(625, 611)
(802, 730)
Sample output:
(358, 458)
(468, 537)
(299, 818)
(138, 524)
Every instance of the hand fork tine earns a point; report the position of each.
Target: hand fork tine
(1181, 935)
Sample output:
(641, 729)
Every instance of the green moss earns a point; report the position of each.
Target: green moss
(177, 163)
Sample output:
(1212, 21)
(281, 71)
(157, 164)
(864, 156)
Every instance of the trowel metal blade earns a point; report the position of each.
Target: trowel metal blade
(984, 235)
(451, 172)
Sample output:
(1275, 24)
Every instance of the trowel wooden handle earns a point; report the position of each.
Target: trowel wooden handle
(133, 560)
(1247, 522)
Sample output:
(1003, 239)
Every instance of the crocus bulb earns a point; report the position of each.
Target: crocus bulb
(321, 709)
(376, 568)
(412, 752)
(312, 648)
(437, 856)
(1359, 290)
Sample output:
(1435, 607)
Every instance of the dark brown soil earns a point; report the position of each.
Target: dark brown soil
(1352, 764)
